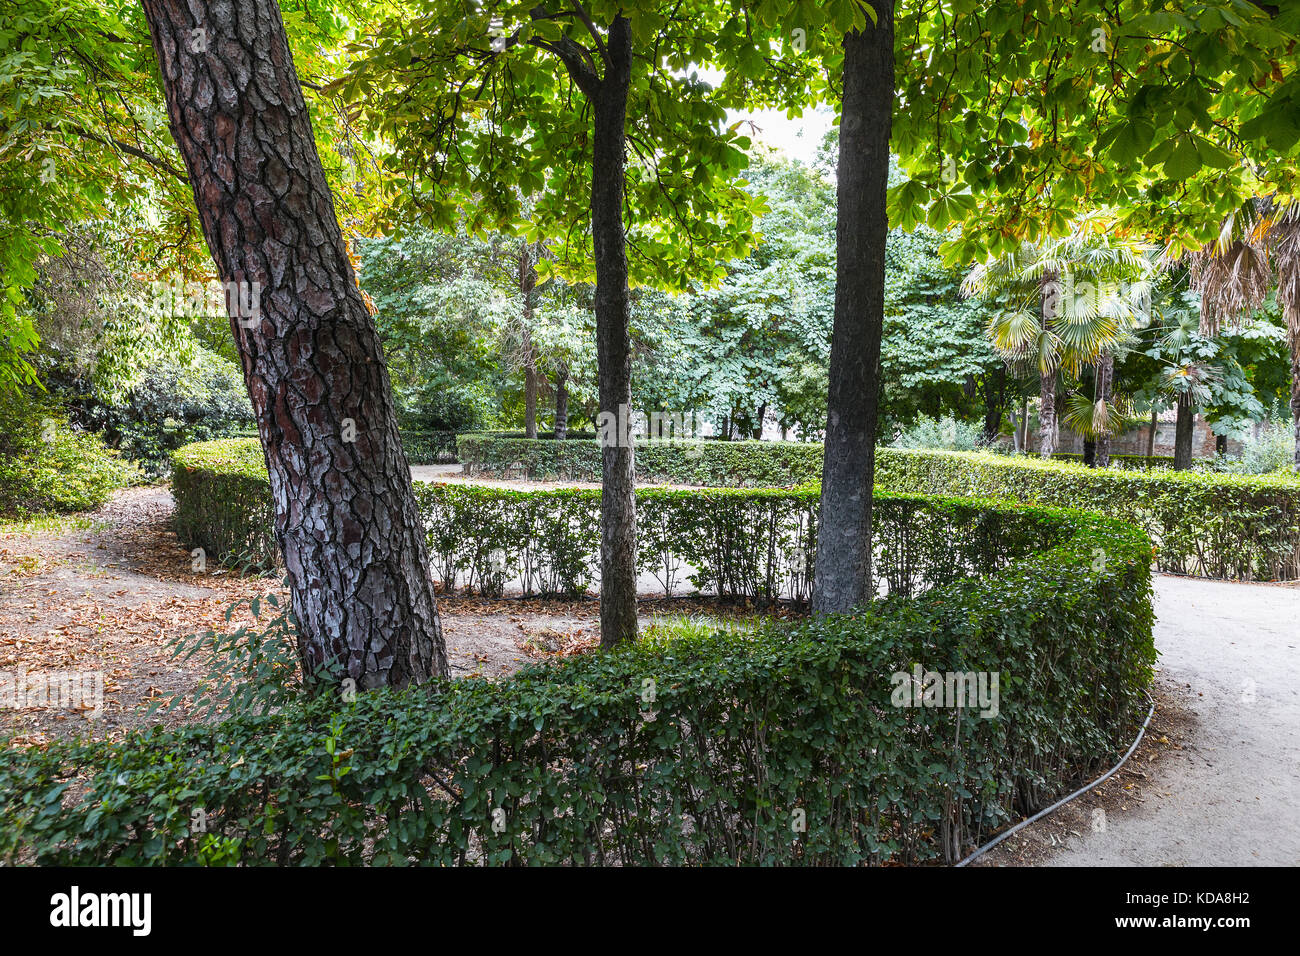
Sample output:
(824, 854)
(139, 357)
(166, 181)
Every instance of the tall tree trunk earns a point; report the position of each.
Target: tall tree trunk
(1105, 386)
(1047, 414)
(1151, 439)
(527, 288)
(613, 345)
(1183, 432)
(345, 515)
(995, 387)
(1293, 339)
(561, 402)
(758, 428)
(843, 568)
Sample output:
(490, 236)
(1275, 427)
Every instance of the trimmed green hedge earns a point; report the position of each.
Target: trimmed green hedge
(783, 745)
(726, 464)
(223, 502)
(1129, 461)
(1213, 525)
(429, 448)
(421, 447)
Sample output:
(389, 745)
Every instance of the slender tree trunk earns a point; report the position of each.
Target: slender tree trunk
(562, 402)
(1151, 439)
(1047, 414)
(613, 345)
(1183, 433)
(530, 391)
(1293, 339)
(1105, 386)
(758, 428)
(527, 288)
(995, 386)
(843, 569)
(345, 514)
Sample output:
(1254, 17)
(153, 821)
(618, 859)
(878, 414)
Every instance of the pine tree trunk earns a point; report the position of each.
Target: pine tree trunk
(613, 345)
(1105, 386)
(1183, 433)
(562, 402)
(345, 515)
(843, 569)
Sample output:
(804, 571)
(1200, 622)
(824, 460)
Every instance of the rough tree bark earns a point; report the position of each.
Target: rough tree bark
(613, 345)
(843, 569)
(1047, 413)
(345, 514)
(1105, 386)
(1183, 431)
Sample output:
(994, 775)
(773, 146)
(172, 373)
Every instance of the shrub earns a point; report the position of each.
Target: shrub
(46, 465)
(173, 404)
(429, 448)
(941, 433)
(1212, 525)
(681, 749)
(223, 502)
(1144, 462)
(754, 464)
(1268, 451)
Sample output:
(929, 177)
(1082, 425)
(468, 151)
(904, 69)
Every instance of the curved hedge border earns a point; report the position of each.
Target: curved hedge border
(1206, 524)
(746, 734)
(223, 501)
(1212, 525)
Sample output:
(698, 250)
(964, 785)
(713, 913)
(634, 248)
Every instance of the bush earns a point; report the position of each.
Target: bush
(46, 465)
(941, 433)
(1142, 462)
(173, 404)
(223, 502)
(1270, 451)
(429, 448)
(1211, 525)
(754, 464)
(681, 749)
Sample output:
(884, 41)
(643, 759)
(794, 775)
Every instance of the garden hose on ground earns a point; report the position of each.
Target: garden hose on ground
(1064, 800)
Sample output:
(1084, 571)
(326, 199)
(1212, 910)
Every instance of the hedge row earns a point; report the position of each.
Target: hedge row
(726, 464)
(1128, 461)
(1212, 525)
(782, 745)
(421, 447)
(223, 502)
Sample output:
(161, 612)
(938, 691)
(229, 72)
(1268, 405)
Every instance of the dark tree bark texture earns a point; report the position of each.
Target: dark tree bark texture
(613, 343)
(843, 570)
(346, 517)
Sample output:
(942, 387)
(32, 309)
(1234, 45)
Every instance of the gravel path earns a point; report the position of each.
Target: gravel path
(1230, 794)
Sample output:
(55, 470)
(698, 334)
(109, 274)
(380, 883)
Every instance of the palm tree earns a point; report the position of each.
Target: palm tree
(1065, 304)
(1234, 273)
